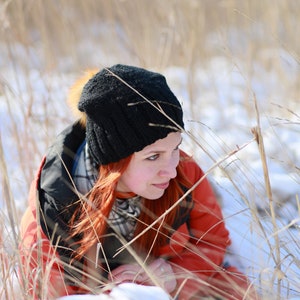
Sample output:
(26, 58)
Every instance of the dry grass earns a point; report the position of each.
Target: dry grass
(45, 44)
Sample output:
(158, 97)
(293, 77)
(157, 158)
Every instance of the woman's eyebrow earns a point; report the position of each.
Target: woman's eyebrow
(162, 151)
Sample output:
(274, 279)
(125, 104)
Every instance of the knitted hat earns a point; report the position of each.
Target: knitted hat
(127, 109)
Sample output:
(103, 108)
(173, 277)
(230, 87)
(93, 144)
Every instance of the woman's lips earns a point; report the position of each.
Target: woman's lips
(162, 186)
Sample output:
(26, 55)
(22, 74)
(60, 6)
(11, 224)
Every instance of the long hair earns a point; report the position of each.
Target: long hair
(90, 220)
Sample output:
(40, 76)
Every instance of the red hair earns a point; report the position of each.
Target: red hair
(94, 210)
(157, 235)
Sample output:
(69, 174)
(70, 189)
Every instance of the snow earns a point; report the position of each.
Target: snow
(126, 291)
(219, 117)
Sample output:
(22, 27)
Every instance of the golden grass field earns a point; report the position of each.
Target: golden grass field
(45, 45)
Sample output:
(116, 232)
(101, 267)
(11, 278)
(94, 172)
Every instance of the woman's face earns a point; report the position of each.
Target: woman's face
(150, 170)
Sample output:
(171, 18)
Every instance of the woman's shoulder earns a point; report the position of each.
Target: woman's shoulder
(55, 174)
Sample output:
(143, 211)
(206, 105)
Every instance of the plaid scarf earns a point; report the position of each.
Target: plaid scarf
(124, 213)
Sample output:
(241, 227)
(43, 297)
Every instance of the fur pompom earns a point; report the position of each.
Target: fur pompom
(75, 93)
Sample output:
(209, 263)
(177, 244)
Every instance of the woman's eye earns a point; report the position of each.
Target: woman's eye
(153, 157)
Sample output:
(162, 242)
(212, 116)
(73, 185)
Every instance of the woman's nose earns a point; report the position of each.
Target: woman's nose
(169, 169)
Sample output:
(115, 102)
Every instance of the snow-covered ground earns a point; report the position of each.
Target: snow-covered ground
(219, 115)
(126, 291)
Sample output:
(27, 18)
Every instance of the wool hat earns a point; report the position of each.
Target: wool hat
(127, 109)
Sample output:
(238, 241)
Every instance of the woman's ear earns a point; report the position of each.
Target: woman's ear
(75, 94)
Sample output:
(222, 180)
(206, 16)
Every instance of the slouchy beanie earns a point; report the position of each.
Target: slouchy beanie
(127, 109)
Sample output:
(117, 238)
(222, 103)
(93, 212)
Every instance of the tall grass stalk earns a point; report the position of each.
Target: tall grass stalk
(278, 274)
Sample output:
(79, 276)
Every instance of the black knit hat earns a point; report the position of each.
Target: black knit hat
(122, 105)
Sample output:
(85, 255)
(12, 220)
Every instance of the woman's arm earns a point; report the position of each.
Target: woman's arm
(208, 236)
(204, 236)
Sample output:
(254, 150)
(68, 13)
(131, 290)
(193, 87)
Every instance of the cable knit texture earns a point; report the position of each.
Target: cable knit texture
(127, 109)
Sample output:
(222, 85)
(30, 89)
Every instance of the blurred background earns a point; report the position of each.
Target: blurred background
(73, 35)
(215, 53)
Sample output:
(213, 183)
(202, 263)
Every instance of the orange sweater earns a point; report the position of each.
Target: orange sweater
(196, 250)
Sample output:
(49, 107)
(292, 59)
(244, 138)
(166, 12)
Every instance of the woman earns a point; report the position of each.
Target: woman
(115, 199)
